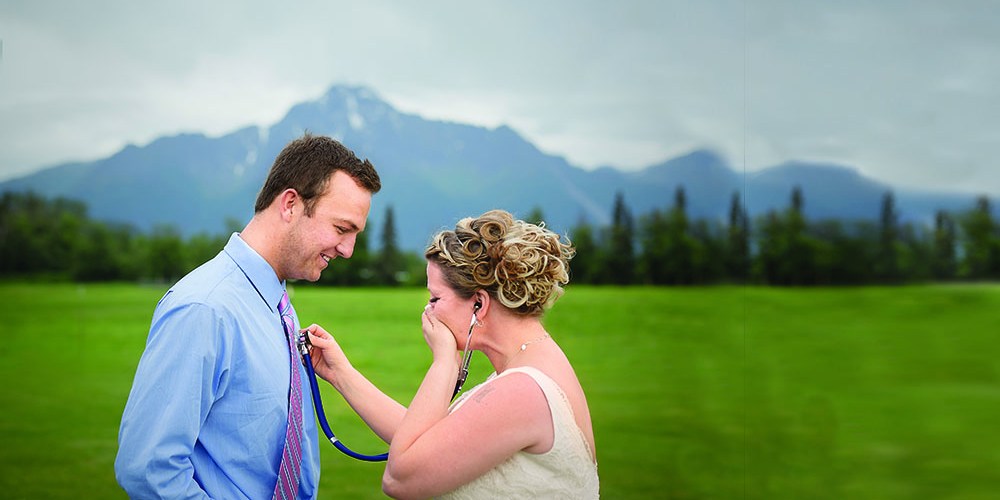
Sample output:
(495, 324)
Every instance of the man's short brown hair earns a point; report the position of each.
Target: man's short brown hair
(306, 165)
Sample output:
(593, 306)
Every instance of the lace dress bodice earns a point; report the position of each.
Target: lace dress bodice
(565, 471)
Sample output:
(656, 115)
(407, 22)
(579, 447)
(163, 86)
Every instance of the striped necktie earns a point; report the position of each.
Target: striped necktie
(291, 458)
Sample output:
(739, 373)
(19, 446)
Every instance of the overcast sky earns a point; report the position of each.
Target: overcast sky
(907, 92)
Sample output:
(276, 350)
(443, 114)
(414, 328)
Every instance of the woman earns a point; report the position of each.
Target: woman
(526, 430)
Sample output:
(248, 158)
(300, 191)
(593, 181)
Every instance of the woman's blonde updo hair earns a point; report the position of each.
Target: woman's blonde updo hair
(522, 265)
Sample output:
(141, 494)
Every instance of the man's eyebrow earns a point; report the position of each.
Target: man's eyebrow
(352, 226)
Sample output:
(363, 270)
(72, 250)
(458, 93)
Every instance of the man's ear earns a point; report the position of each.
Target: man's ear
(289, 202)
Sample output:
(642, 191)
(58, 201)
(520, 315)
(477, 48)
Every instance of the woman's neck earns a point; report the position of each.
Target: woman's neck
(506, 333)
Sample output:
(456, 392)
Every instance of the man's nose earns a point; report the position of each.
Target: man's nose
(346, 247)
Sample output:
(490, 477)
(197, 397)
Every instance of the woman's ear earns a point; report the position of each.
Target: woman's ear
(482, 304)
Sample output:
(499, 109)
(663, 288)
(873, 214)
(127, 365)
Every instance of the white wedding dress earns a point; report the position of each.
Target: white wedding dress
(565, 471)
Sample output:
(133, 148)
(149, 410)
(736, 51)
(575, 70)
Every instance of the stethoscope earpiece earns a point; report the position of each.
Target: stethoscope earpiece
(463, 372)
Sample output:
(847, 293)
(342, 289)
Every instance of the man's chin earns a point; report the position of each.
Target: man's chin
(311, 277)
(319, 271)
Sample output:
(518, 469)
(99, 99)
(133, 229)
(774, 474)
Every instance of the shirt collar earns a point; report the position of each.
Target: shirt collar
(257, 270)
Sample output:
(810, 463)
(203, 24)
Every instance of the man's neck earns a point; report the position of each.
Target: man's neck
(259, 236)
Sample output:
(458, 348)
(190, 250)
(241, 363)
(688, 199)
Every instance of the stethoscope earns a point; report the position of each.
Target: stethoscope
(304, 345)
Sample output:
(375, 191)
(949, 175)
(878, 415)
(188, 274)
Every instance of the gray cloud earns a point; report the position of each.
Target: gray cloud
(904, 91)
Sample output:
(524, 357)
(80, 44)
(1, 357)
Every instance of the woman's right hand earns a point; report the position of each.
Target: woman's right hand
(328, 358)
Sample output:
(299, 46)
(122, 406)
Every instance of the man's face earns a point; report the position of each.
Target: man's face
(338, 216)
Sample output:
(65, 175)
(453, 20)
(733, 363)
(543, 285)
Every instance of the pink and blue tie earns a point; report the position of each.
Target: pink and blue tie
(291, 459)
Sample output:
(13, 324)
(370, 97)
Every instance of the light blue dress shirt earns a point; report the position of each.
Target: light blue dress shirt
(208, 410)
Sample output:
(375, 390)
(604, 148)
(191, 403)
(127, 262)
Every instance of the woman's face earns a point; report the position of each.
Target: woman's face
(452, 310)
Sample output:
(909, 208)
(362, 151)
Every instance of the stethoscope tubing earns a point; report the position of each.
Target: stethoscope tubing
(303, 344)
(321, 416)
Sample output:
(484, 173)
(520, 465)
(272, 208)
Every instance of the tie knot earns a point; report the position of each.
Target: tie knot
(284, 305)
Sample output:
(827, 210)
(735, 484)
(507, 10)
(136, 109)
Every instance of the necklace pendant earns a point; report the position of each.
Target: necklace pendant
(524, 346)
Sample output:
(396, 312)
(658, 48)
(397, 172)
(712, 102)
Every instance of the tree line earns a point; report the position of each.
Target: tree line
(55, 239)
(784, 248)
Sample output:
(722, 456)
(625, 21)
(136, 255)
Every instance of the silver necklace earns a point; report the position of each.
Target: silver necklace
(539, 339)
(523, 347)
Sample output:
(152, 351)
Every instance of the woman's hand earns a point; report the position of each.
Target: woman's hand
(328, 358)
(438, 336)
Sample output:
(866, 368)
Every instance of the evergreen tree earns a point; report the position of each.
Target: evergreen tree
(619, 262)
(738, 248)
(847, 253)
(585, 268)
(981, 245)
(654, 236)
(708, 251)
(390, 266)
(681, 247)
(797, 256)
(65, 230)
(798, 202)
(887, 262)
(915, 253)
(166, 254)
(772, 244)
(202, 247)
(944, 264)
(788, 254)
(107, 253)
(38, 235)
(20, 243)
(535, 216)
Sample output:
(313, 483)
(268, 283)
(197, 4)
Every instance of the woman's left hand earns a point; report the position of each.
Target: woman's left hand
(438, 336)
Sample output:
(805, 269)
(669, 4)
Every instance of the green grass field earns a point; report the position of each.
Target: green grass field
(696, 393)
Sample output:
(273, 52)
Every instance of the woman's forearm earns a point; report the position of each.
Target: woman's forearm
(379, 411)
(429, 406)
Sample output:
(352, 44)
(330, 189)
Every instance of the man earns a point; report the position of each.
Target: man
(212, 407)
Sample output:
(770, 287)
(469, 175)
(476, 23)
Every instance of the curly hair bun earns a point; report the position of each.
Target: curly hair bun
(522, 265)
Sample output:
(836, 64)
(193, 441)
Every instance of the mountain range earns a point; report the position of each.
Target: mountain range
(435, 172)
